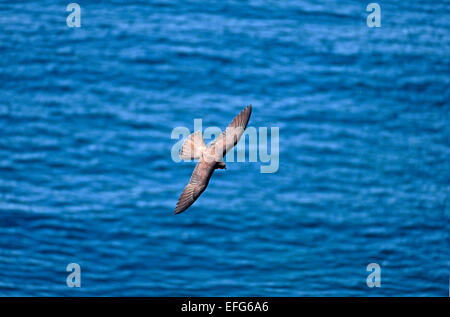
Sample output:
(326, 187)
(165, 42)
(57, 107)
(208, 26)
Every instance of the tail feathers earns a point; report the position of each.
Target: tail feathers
(193, 146)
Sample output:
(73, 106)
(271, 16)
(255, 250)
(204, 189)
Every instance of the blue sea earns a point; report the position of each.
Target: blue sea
(86, 174)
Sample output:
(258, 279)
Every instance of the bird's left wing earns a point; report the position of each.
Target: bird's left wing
(230, 137)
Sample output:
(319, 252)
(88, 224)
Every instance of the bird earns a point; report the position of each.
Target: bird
(209, 157)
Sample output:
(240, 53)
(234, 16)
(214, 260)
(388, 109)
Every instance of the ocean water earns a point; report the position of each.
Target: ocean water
(86, 174)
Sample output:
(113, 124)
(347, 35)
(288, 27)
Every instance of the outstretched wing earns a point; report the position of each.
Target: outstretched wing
(230, 137)
(197, 185)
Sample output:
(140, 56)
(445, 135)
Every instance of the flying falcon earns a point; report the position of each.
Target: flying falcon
(209, 158)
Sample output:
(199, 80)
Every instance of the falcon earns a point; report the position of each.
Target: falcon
(209, 157)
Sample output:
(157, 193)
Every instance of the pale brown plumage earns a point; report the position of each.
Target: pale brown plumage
(210, 158)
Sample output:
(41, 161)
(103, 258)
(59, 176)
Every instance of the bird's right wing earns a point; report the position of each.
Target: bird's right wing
(197, 184)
